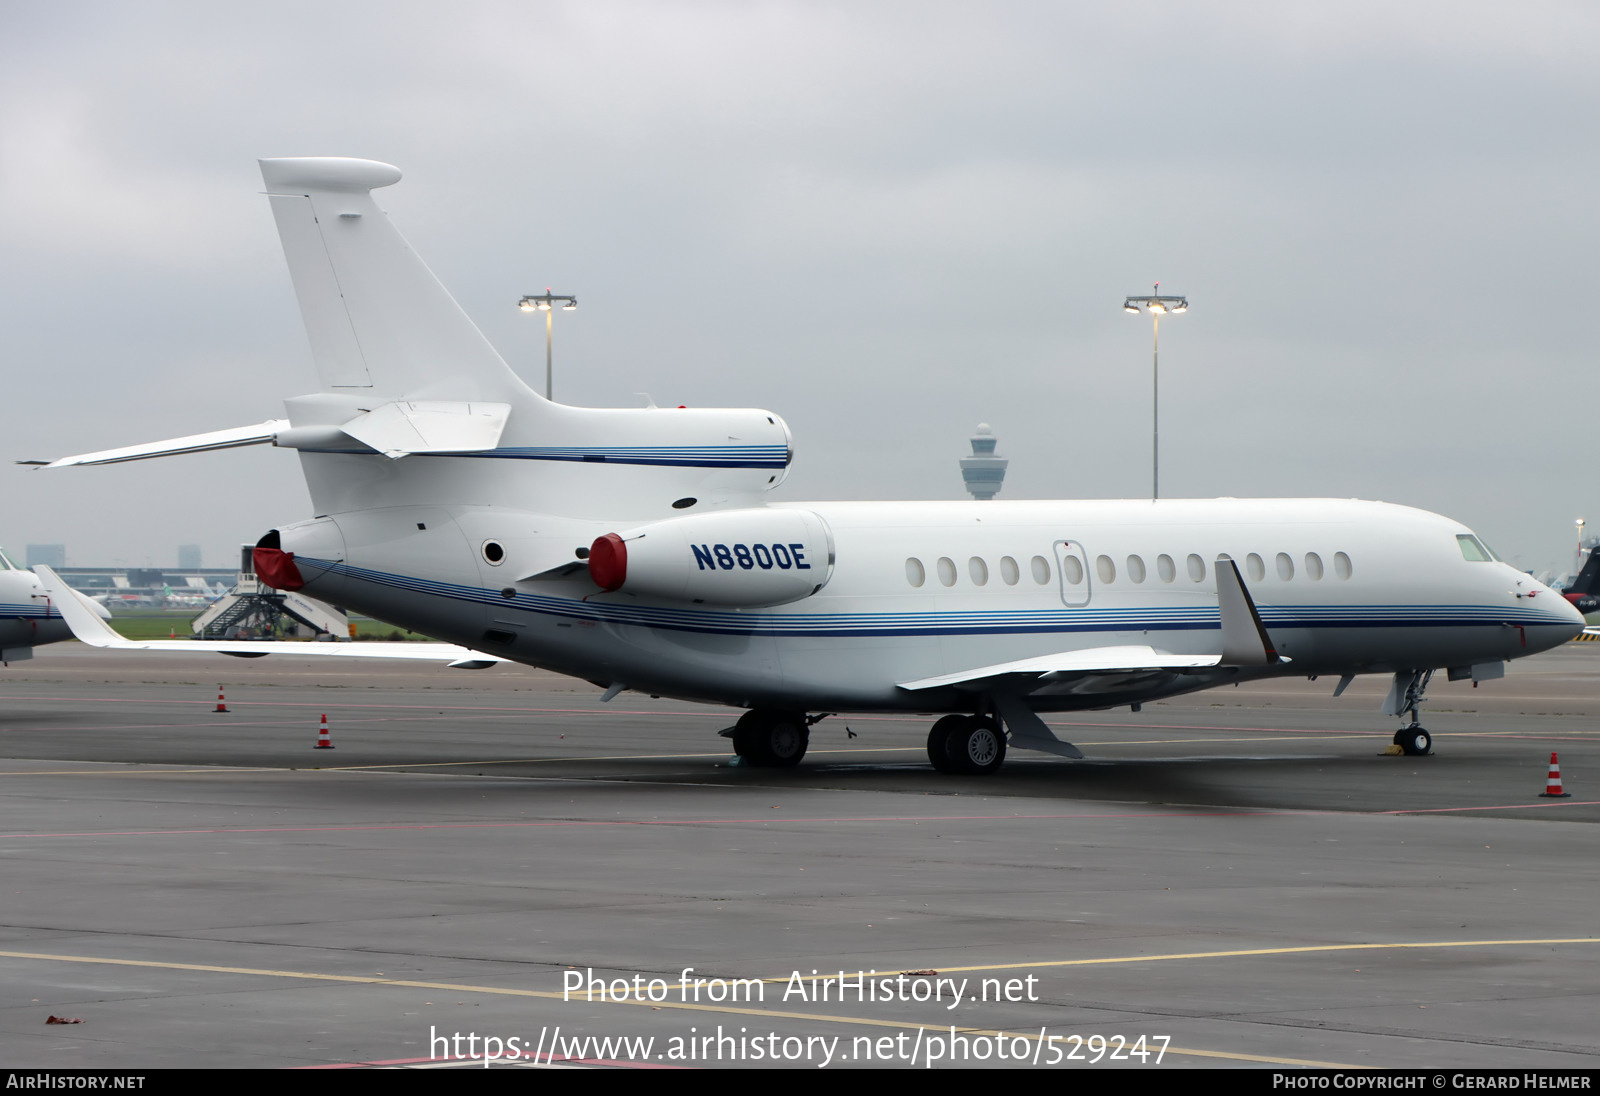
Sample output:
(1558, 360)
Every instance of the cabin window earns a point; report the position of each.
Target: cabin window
(1285, 566)
(1341, 565)
(1106, 569)
(1197, 568)
(1255, 567)
(947, 571)
(1072, 570)
(1473, 549)
(979, 571)
(916, 574)
(1135, 569)
(1313, 566)
(1041, 570)
(1008, 570)
(1166, 568)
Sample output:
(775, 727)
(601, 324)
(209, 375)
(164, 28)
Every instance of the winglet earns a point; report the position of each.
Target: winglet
(78, 611)
(1244, 640)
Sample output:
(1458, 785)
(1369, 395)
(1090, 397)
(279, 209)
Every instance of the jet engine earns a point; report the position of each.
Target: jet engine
(745, 558)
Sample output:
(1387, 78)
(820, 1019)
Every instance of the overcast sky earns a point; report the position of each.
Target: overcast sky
(884, 221)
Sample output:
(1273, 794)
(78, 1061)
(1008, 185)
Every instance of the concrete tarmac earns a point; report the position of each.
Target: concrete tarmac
(1237, 878)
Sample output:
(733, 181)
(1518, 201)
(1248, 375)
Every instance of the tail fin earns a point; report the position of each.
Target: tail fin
(380, 323)
(405, 372)
(1588, 580)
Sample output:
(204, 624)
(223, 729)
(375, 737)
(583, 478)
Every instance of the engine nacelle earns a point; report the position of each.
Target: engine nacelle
(746, 558)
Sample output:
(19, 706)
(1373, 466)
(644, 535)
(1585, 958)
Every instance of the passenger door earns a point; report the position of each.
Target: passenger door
(1072, 564)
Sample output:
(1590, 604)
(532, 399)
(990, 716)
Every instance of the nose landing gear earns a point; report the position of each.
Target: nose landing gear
(1415, 741)
(1405, 696)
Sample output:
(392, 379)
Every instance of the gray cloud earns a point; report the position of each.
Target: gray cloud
(883, 221)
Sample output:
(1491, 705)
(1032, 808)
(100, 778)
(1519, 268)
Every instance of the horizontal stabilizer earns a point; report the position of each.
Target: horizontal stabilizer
(432, 426)
(78, 611)
(259, 434)
(1095, 660)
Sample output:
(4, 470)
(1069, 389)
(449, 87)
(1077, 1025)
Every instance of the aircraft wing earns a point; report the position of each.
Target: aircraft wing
(1095, 660)
(1245, 642)
(79, 613)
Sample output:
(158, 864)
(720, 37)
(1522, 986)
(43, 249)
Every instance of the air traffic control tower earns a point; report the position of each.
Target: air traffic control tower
(985, 470)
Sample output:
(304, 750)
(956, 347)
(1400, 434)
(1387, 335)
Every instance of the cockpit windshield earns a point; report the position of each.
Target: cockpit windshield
(5, 563)
(1474, 550)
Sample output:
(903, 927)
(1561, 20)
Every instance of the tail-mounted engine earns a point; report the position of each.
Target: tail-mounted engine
(745, 558)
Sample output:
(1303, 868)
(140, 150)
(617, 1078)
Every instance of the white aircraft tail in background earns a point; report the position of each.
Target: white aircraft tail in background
(636, 548)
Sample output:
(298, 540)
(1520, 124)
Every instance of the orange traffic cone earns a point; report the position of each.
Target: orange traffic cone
(221, 704)
(1552, 785)
(323, 741)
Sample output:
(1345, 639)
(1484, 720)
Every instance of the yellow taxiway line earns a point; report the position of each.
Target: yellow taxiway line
(859, 1021)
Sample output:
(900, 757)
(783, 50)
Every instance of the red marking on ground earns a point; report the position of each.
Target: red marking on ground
(320, 704)
(918, 718)
(1500, 807)
(765, 821)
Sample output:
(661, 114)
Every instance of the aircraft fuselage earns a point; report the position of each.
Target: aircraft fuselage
(26, 617)
(918, 589)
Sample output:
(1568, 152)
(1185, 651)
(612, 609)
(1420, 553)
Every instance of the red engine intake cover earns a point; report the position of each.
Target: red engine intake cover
(608, 562)
(276, 568)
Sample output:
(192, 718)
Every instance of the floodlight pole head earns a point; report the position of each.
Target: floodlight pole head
(545, 302)
(1158, 306)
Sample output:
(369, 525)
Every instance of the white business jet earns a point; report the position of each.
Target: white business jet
(635, 548)
(27, 617)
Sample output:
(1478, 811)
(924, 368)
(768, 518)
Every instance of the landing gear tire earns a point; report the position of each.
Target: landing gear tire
(1414, 741)
(977, 748)
(939, 742)
(771, 740)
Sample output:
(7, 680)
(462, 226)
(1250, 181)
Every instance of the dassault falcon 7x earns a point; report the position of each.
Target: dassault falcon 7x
(636, 548)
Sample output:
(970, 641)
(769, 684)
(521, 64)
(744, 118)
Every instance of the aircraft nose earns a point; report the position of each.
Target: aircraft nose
(1560, 621)
(1569, 612)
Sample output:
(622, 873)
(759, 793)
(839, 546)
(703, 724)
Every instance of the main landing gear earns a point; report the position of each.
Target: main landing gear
(1405, 697)
(771, 739)
(973, 745)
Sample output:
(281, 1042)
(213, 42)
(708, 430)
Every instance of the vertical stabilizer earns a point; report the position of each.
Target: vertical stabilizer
(1588, 580)
(417, 409)
(380, 323)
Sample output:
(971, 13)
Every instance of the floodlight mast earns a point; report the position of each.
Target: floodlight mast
(545, 302)
(1157, 306)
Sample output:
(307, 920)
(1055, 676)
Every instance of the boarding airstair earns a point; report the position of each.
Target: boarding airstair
(252, 610)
